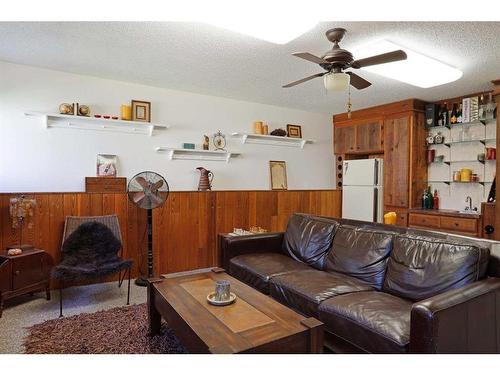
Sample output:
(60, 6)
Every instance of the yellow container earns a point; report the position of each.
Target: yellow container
(257, 127)
(390, 218)
(465, 175)
(126, 111)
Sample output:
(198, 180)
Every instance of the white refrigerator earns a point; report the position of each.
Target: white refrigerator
(363, 194)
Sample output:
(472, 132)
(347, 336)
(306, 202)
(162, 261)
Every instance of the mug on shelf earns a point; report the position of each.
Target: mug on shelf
(431, 154)
(491, 153)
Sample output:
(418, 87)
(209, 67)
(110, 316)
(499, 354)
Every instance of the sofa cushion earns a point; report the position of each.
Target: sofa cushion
(308, 238)
(376, 322)
(421, 267)
(305, 290)
(361, 253)
(257, 269)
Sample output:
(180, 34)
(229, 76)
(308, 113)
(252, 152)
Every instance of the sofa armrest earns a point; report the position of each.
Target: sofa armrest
(463, 320)
(231, 246)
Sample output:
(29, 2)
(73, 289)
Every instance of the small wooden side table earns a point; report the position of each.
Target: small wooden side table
(28, 272)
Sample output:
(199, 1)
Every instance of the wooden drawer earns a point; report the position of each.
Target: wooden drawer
(459, 224)
(426, 221)
(27, 270)
(105, 184)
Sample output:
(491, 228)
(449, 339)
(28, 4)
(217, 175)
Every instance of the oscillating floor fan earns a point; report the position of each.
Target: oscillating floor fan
(148, 190)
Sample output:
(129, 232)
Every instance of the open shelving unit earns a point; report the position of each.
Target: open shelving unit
(189, 154)
(56, 120)
(484, 140)
(272, 140)
(449, 126)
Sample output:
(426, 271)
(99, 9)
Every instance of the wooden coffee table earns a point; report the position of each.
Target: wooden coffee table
(254, 323)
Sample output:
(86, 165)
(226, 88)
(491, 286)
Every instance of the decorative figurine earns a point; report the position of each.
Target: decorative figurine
(438, 138)
(205, 142)
(66, 109)
(219, 141)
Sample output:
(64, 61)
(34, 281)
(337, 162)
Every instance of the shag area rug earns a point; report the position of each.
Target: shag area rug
(121, 330)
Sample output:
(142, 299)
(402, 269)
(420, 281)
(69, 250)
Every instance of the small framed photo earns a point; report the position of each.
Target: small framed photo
(141, 111)
(106, 165)
(277, 171)
(294, 131)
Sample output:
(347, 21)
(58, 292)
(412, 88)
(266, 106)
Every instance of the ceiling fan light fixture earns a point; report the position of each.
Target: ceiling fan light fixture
(336, 81)
(417, 70)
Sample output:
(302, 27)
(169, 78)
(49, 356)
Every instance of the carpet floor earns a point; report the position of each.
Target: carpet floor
(121, 330)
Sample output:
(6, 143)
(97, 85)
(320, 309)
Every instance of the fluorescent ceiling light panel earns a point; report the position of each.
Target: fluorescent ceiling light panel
(280, 32)
(417, 69)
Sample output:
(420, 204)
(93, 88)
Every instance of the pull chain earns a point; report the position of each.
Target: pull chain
(349, 104)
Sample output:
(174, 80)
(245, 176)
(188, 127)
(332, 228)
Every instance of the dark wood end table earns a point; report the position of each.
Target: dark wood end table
(28, 272)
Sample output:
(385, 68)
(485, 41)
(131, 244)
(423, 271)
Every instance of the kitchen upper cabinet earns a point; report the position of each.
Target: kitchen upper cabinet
(396, 161)
(359, 137)
(369, 137)
(345, 139)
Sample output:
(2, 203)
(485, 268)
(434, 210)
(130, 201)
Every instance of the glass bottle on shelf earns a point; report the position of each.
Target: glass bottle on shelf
(429, 195)
(435, 200)
(459, 114)
(490, 108)
(425, 200)
(444, 114)
(453, 115)
(440, 115)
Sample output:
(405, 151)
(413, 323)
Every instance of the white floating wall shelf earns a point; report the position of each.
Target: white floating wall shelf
(272, 140)
(55, 120)
(187, 154)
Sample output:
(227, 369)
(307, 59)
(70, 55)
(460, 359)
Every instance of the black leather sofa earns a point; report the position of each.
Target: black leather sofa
(378, 288)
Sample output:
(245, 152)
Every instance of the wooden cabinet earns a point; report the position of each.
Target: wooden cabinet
(446, 221)
(345, 139)
(359, 137)
(25, 273)
(396, 161)
(395, 132)
(369, 137)
(488, 224)
(105, 184)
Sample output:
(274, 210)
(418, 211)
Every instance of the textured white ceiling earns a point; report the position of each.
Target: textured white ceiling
(204, 59)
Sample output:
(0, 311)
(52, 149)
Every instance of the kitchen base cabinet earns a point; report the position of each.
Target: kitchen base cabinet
(446, 221)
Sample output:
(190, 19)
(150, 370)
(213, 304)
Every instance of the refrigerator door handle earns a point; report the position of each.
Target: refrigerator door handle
(375, 205)
(375, 166)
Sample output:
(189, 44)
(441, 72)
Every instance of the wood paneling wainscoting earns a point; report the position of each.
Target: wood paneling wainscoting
(185, 228)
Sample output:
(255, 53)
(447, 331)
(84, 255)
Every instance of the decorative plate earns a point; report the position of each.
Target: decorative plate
(211, 300)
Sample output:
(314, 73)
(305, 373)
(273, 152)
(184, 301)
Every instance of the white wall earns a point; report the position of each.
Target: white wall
(36, 159)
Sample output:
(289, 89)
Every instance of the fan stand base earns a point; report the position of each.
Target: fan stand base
(141, 281)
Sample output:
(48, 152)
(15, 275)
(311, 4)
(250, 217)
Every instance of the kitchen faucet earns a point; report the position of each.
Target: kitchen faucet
(469, 201)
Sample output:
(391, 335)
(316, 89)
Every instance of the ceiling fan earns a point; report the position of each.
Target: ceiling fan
(337, 60)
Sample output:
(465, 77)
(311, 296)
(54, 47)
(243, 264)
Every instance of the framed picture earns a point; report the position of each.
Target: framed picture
(141, 111)
(106, 165)
(277, 170)
(294, 131)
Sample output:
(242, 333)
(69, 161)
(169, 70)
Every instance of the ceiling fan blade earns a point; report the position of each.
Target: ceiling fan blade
(380, 59)
(138, 196)
(358, 82)
(303, 80)
(142, 181)
(310, 57)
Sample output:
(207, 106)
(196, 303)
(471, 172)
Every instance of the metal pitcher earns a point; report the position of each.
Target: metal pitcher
(206, 178)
